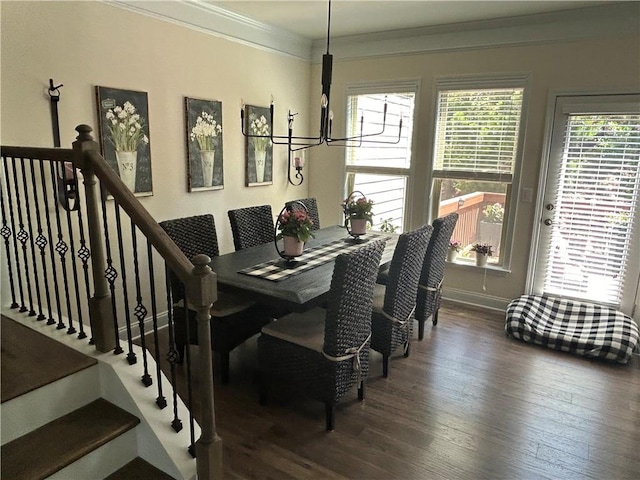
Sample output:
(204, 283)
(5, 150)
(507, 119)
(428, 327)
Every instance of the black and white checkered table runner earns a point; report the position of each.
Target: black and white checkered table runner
(276, 270)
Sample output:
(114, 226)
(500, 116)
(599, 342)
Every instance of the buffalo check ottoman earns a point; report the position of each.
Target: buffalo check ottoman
(582, 328)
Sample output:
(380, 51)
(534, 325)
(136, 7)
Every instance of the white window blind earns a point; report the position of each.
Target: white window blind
(477, 133)
(598, 188)
(370, 107)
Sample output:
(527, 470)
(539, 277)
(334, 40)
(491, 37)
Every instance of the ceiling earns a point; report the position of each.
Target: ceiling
(308, 18)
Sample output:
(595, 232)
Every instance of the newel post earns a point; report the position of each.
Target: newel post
(202, 293)
(100, 307)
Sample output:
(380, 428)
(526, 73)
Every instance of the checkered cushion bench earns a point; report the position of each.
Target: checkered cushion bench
(578, 327)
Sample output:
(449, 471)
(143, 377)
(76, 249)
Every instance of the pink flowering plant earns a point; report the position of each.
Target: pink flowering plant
(295, 224)
(358, 209)
(455, 245)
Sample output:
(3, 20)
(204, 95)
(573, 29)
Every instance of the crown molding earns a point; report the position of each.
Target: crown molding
(592, 22)
(620, 18)
(216, 21)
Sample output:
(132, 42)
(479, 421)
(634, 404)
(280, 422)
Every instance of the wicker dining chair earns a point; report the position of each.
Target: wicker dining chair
(233, 319)
(251, 226)
(394, 303)
(432, 275)
(312, 210)
(325, 352)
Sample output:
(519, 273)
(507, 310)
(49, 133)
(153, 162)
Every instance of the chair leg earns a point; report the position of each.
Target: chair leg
(420, 329)
(361, 390)
(406, 350)
(181, 352)
(330, 409)
(385, 365)
(435, 317)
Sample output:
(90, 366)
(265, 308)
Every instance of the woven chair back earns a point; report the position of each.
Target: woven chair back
(404, 272)
(436, 256)
(193, 235)
(350, 301)
(251, 226)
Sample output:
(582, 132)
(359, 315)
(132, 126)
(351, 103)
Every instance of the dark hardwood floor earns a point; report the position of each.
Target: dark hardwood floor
(469, 403)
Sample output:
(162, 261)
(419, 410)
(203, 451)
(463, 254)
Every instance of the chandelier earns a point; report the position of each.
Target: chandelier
(297, 143)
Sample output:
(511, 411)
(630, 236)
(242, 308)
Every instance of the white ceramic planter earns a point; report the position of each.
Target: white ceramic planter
(358, 226)
(481, 260)
(451, 255)
(292, 246)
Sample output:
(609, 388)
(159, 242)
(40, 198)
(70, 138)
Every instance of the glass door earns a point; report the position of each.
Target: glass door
(588, 238)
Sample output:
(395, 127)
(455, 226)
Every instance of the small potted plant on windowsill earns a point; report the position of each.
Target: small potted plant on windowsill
(483, 252)
(454, 248)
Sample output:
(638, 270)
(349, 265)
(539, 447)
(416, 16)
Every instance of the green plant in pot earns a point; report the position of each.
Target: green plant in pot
(483, 252)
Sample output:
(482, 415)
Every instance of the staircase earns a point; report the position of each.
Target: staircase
(55, 422)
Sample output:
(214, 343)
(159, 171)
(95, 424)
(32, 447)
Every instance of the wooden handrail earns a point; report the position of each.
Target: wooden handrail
(40, 153)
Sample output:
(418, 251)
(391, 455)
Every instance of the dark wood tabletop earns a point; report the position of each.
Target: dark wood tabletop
(297, 293)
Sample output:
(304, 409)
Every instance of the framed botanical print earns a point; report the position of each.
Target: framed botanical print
(123, 122)
(259, 150)
(204, 145)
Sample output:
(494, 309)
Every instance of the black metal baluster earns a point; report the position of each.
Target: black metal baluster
(185, 308)
(72, 245)
(62, 249)
(54, 268)
(36, 277)
(111, 274)
(172, 355)
(23, 307)
(131, 356)
(6, 233)
(140, 311)
(161, 401)
(84, 254)
(23, 236)
(41, 240)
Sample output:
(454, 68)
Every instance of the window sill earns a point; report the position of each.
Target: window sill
(471, 266)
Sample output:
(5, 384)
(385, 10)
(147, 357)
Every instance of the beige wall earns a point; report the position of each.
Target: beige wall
(609, 64)
(84, 44)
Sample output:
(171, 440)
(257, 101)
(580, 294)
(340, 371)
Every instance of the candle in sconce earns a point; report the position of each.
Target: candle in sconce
(297, 162)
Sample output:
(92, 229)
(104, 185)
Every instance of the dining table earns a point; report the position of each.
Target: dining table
(262, 274)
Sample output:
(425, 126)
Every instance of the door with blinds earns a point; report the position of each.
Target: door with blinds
(588, 245)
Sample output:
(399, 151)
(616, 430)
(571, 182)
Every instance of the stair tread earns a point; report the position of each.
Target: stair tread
(27, 360)
(61, 442)
(139, 468)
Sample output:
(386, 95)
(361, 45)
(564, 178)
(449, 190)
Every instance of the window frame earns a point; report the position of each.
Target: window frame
(479, 82)
(381, 88)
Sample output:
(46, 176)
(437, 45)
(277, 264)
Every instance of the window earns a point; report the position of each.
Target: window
(381, 170)
(477, 149)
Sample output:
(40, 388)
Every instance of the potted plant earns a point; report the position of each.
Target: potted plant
(454, 248)
(295, 230)
(483, 251)
(357, 213)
